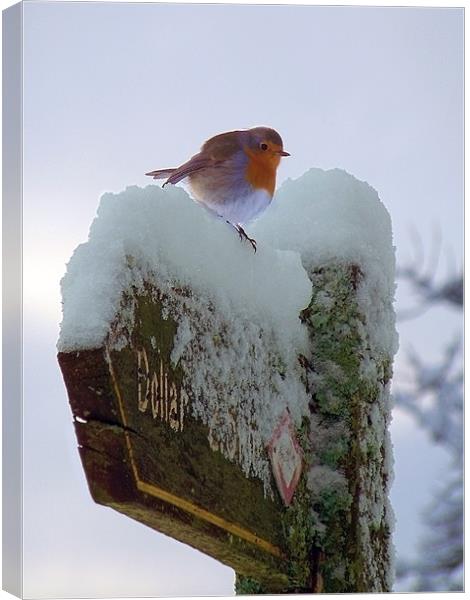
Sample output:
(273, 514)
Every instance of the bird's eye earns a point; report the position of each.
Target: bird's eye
(263, 146)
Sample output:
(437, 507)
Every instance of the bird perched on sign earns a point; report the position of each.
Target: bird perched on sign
(233, 175)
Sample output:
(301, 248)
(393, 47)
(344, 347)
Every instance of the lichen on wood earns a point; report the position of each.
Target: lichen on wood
(350, 452)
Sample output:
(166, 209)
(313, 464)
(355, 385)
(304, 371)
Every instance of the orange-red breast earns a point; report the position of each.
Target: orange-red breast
(234, 174)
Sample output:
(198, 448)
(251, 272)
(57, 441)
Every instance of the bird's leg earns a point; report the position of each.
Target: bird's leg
(243, 235)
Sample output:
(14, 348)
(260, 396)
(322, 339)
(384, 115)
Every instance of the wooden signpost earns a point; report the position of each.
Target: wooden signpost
(147, 456)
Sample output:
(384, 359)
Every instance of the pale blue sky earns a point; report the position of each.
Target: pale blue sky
(114, 90)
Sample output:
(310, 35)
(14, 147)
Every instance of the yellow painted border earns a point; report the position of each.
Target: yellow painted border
(189, 507)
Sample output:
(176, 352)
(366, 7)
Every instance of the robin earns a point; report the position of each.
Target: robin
(234, 174)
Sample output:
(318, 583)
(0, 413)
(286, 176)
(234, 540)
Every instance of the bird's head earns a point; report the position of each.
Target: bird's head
(264, 145)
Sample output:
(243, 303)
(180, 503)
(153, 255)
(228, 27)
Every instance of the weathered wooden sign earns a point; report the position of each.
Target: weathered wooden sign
(146, 455)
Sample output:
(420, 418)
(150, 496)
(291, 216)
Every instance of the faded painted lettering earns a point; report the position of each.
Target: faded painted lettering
(156, 389)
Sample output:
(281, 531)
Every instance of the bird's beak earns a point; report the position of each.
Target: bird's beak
(284, 153)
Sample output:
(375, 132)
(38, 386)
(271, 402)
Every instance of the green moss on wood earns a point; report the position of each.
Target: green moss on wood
(248, 586)
(341, 396)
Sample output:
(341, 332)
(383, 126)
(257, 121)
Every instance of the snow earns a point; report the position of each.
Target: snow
(164, 228)
(330, 216)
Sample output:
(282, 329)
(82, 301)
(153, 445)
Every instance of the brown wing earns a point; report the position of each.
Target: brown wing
(222, 146)
(213, 152)
(196, 163)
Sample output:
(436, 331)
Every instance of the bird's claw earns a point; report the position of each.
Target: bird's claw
(243, 235)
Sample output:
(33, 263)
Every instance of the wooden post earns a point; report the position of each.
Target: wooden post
(147, 453)
(351, 410)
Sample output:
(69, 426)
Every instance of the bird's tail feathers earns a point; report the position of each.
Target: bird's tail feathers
(161, 173)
